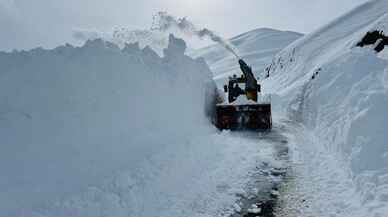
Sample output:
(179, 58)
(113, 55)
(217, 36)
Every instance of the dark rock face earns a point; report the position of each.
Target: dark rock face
(375, 37)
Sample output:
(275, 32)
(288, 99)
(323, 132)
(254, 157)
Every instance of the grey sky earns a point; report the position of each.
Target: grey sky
(48, 23)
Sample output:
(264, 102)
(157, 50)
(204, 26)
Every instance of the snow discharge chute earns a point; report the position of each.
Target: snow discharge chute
(164, 22)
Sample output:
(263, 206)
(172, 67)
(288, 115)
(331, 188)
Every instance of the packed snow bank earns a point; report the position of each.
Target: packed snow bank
(100, 131)
(344, 108)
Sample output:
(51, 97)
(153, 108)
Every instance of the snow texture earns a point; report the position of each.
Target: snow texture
(337, 91)
(123, 37)
(102, 131)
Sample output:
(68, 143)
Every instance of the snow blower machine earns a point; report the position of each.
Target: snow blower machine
(246, 108)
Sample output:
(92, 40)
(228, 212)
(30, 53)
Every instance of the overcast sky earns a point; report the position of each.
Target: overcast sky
(48, 23)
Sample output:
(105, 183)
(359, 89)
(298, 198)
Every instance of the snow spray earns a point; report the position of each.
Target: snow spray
(164, 22)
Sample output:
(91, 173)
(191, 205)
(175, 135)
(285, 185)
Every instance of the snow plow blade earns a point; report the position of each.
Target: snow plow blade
(244, 117)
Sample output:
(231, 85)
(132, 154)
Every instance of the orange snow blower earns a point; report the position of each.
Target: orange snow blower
(246, 107)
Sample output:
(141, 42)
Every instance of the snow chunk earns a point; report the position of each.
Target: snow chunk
(237, 207)
(254, 209)
(275, 193)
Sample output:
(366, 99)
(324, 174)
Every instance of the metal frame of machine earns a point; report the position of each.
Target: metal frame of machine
(242, 116)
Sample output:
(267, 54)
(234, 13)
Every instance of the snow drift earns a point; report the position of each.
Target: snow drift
(102, 131)
(339, 92)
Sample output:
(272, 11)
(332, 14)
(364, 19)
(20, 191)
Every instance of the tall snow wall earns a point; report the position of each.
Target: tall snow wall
(72, 117)
(339, 92)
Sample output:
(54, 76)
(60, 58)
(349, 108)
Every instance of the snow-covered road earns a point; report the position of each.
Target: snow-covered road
(267, 179)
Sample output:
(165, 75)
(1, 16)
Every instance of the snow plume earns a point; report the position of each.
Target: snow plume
(164, 22)
(157, 36)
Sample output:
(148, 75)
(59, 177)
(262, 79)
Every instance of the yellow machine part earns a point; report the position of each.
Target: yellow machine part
(252, 95)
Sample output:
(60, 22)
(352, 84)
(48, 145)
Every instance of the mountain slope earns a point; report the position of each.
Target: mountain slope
(258, 47)
(341, 162)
